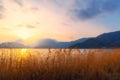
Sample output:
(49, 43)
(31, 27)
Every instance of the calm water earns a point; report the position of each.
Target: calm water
(46, 52)
(15, 55)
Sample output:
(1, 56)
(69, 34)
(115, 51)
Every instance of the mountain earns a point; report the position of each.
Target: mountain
(45, 43)
(12, 45)
(106, 40)
(50, 43)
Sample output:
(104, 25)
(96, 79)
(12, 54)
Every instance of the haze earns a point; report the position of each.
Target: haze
(63, 20)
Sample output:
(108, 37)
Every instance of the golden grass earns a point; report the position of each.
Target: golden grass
(60, 64)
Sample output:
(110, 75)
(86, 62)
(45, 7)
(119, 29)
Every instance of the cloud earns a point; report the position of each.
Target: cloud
(26, 26)
(83, 9)
(93, 8)
(5, 29)
(48, 22)
(34, 8)
(30, 26)
(1, 10)
(19, 41)
(19, 2)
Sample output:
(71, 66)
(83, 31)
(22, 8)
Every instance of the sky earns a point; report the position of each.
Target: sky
(63, 20)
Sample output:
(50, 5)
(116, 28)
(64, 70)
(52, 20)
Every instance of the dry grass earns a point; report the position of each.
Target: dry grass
(60, 64)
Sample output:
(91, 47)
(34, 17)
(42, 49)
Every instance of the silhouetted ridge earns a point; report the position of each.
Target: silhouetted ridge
(106, 40)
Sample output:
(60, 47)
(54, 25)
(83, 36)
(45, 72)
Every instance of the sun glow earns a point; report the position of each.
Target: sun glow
(23, 33)
(24, 53)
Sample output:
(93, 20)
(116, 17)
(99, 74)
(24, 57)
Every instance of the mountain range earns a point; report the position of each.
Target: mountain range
(51, 43)
(105, 40)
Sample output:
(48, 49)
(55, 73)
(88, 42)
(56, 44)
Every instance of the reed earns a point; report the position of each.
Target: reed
(60, 64)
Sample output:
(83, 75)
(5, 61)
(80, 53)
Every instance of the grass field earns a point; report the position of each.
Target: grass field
(60, 64)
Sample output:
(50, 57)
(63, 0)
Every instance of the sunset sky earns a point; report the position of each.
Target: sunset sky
(63, 20)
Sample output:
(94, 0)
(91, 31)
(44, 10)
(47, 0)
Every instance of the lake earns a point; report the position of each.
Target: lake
(44, 53)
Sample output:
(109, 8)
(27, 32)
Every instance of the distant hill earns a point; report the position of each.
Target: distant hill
(50, 43)
(106, 40)
(45, 43)
(12, 45)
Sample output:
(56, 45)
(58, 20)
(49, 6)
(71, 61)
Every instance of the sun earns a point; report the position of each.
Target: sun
(23, 33)
(24, 53)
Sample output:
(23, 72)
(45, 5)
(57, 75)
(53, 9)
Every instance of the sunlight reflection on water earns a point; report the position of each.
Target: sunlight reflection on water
(43, 53)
